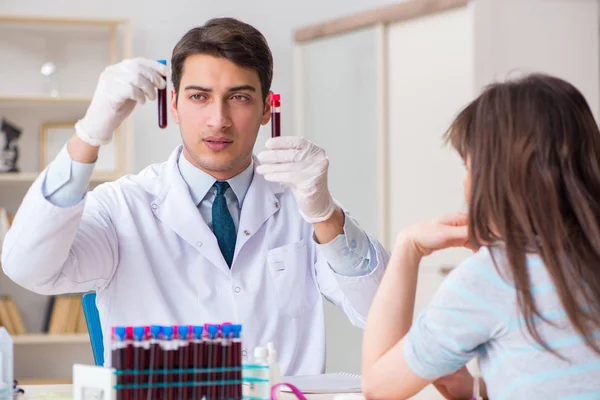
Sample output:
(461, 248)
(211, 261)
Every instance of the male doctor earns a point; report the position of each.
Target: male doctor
(211, 234)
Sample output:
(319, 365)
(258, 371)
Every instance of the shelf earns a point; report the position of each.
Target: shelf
(45, 381)
(45, 99)
(18, 177)
(42, 338)
(29, 177)
(41, 100)
(29, 20)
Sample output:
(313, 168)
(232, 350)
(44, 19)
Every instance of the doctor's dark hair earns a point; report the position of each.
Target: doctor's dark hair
(236, 41)
(533, 148)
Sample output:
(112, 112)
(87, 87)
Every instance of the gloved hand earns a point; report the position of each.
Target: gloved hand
(119, 88)
(302, 166)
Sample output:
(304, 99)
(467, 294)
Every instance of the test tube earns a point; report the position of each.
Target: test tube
(156, 360)
(214, 351)
(236, 348)
(275, 115)
(183, 355)
(197, 363)
(118, 350)
(138, 360)
(146, 362)
(129, 362)
(162, 103)
(168, 361)
(226, 392)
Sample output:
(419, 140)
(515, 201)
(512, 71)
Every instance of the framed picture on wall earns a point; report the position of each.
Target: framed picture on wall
(54, 137)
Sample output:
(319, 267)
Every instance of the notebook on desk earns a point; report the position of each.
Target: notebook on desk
(339, 382)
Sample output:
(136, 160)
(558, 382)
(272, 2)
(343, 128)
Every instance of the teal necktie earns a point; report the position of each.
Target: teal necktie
(223, 226)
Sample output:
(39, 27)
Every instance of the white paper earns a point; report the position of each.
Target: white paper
(324, 383)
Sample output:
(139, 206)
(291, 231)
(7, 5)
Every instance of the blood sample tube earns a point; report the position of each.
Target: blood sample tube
(275, 115)
(129, 363)
(214, 352)
(198, 361)
(118, 355)
(162, 103)
(183, 357)
(138, 360)
(155, 379)
(236, 349)
(227, 388)
(169, 347)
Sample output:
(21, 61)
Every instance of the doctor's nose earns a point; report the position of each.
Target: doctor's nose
(219, 117)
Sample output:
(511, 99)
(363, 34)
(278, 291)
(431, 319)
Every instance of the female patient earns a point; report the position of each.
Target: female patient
(528, 302)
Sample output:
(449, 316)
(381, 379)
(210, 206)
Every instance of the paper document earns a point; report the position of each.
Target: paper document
(326, 383)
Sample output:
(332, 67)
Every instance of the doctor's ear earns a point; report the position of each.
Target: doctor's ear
(266, 117)
(174, 98)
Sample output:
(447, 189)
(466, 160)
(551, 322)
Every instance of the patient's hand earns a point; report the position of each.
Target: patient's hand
(438, 234)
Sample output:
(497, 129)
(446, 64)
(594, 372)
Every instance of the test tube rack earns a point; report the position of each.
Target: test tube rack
(101, 383)
(178, 362)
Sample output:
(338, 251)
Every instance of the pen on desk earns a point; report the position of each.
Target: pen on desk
(275, 115)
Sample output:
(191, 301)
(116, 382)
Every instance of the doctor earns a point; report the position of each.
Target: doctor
(211, 234)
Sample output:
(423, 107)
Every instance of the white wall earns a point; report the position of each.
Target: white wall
(559, 37)
(339, 100)
(158, 25)
(430, 77)
(509, 36)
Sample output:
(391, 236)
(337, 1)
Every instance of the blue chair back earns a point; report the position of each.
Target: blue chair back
(92, 319)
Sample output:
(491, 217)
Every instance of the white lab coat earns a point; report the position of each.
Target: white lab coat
(141, 243)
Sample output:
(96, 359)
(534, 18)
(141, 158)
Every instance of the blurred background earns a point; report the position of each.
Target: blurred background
(374, 82)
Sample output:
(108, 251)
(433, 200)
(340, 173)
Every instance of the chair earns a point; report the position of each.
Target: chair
(92, 319)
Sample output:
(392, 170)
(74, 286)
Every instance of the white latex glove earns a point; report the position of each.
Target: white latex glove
(119, 88)
(302, 166)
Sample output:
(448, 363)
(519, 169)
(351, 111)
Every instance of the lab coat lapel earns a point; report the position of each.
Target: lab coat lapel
(175, 208)
(260, 203)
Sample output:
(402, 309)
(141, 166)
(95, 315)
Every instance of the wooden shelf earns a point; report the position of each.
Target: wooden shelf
(29, 177)
(43, 338)
(45, 381)
(42, 101)
(41, 357)
(30, 20)
(18, 177)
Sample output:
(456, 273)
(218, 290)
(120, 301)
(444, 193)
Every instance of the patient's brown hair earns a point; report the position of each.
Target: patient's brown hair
(534, 152)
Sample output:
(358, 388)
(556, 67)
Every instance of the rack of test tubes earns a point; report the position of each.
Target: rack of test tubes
(174, 363)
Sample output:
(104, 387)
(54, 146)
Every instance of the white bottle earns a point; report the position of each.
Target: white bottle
(274, 371)
(262, 389)
(6, 365)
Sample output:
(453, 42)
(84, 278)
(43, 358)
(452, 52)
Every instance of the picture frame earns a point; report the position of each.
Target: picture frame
(54, 136)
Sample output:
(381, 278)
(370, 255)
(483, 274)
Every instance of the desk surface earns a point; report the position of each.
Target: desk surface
(64, 392)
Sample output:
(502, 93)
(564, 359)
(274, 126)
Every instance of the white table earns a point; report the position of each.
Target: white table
(64, 392)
